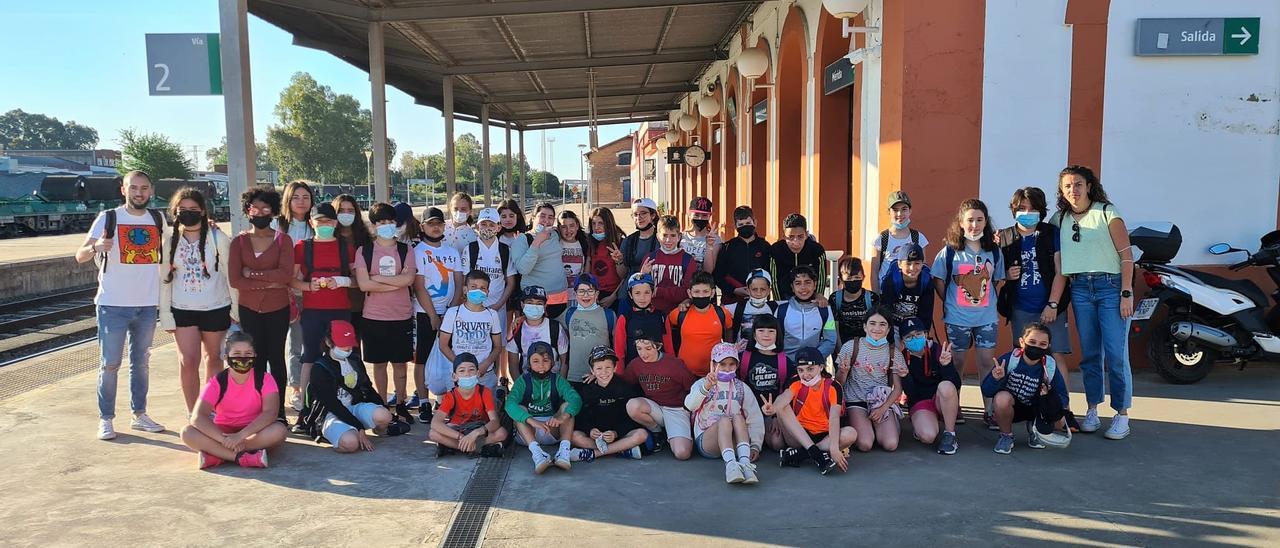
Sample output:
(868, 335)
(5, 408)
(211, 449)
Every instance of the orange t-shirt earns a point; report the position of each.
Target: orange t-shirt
(466, 410)
(813, 416)
(699, 332)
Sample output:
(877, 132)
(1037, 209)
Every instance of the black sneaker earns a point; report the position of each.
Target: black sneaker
(492, 450)
(791, 457)
(442, 451)
(425, 412)
(398, 428)
(403, 412)
(825, 463)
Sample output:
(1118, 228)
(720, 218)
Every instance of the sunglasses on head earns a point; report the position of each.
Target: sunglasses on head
(1075, 230)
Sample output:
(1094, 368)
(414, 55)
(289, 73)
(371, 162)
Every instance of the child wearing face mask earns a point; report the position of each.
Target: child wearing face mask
(809, 412)
(384, 270)
(672, 268)
(234, 419)
(932, 386)
(851, 302)
(470, 327)
(696, 330)
(890, 245)
(758, 303)
(532, 326)
(458, 231)
(1026, 385)
(806, 323)
(638, 315)
(322, 271)
(870, 370)
(727, 421)
(467, 421)
(542, 406)
(340, 400)
(589, 325)
(768, 372)
(702, 240)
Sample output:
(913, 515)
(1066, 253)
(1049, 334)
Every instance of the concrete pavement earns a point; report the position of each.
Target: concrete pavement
(1200, 469)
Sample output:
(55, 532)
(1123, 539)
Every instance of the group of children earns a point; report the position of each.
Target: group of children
(723, 348)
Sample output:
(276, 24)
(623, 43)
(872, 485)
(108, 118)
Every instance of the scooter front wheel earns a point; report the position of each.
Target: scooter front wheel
(1179, 362)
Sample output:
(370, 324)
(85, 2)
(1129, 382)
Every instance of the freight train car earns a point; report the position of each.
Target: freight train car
(69, 203)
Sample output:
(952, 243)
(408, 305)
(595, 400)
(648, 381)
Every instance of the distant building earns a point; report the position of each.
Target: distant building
(649, 165)
(611, 171)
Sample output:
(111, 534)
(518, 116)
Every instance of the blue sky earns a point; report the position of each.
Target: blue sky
(85, 60)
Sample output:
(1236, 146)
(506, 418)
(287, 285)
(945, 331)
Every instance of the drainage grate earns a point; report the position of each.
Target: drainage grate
(467, 528)
(21, 378)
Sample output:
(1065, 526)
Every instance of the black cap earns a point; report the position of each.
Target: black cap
(910, 325)
(911, 252)
(534, 292)
(465, 357)
(600, 353)
(653, 334)
(541, 347)
(809, 356)
(326, 211)
(701, 204)
(432, 214)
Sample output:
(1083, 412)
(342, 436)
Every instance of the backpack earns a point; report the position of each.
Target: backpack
(609, 317)
(480, 392)
(553, 328)
(781, 313)
(1009, 291)
(504, 254)
(367, 250)
(308, 258)
(527, 397)
(109, 231)
(222, 377)
(739, 312)
(884, 241)
(802, 395)
(782, 367)
(725, 328)
(1050, 367)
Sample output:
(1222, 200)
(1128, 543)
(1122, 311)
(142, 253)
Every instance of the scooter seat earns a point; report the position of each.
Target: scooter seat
(1241, 286)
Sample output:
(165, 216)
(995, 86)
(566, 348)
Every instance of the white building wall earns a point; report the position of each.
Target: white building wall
(1026, 97)
(1194, 140)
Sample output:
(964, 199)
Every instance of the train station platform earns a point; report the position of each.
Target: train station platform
(1198, 470)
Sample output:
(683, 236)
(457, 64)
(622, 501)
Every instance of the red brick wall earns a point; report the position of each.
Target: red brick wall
(606, 175)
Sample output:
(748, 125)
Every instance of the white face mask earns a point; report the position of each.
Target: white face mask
(812, 382)
(460, 217)
(972, 238)
(339, 354)
(758, 302)
(766, 347)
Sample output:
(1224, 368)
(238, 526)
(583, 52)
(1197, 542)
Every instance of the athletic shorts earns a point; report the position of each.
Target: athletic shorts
(962, 338)
(930, 405)
(426, 338)
(209, 321)
(466, 428)
(387, 341)
(541, 438)
(333, 427)
(675, 420)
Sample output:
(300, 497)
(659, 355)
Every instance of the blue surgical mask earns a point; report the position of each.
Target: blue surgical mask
(468, 382)
(902, 225)
(593, 306)
(1028, 219)
(533, 311)
(915, 344)
(877, 343)
(324, 232)
(387, 232)
(476, 296)
(599, 236)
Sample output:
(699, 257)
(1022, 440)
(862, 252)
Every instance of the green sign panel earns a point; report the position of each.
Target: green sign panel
(184, 64)
(1242, 35)
(1198, 36)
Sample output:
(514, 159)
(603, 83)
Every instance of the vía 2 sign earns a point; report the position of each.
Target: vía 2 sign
(1198, 36)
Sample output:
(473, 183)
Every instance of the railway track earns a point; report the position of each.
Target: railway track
(34, 326)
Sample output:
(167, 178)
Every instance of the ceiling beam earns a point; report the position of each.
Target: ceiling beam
(479, 10)
(603, 122)
(614, 61)
(393, 58)
(327, 7)
(601, 92)
(663, 108)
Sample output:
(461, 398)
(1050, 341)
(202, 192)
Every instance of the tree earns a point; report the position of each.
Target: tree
(321, 135)
(22, 130)
(153, 153)
(218, 155)
(541, 182)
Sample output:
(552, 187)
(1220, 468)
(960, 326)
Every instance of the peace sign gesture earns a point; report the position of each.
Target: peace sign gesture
(615, 253)
(944, 357)
(998, 371)
(713, 233)
(646, 267)
(767, 407)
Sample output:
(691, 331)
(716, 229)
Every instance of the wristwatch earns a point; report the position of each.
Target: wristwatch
(1125, 294)
(1053, 306)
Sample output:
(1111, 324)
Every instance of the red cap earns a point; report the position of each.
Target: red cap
(342, 333)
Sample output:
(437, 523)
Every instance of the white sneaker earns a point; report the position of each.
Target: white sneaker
(733, 473)
(541, 461)
(749, 473)
(602, 446)
(106, 431)
(563, 459)
(1090, 424)
(1119, 428)
(296, 403)
(144, 423)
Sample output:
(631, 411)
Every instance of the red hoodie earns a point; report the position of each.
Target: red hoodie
(673, 274)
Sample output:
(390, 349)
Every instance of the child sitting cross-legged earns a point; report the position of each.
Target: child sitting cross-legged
(603, 427)
(726, 418)
(542, 406)
(467, 420)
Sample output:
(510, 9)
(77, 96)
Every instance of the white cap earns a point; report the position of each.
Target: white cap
(489, 214)
(646, 202)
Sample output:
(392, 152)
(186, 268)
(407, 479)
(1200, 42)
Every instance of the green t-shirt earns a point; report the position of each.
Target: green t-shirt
(1095, 252)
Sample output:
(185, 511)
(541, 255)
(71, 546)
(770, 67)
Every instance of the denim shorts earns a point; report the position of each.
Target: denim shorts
(964, 337)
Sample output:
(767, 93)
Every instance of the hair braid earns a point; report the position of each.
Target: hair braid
(173, 249)
(204, 233)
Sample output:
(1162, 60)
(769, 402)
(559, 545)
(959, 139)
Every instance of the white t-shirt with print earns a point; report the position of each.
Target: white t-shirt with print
(489, 261)
(471, 331)
(697, 245)
(132, 274)
(437, 265)
(895, 251)
(458, 237)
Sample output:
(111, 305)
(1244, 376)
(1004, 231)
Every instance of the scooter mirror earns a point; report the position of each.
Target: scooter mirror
(1219, 249)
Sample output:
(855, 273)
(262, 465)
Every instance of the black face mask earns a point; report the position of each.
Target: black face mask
(541, 376)
(240, 365)
(189, 218)
(853, 286)
(746, 232)
(1034, 353)
(644, 228)
(700, 224)
(260, 221)
(505, 230)
(435, 240)
(701, 302)
(809, 300)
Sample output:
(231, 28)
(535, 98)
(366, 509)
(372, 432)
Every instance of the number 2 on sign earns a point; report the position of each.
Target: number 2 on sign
(163, 78)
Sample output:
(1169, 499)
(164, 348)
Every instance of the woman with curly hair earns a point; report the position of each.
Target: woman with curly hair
(260, 268)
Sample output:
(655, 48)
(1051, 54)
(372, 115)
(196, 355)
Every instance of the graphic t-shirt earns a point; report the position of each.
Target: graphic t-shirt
(749, 313)
(326, 262)
(970, 298)
(191, 289)
(587, 329)
(471, 331)
(602, 267)
(349, 378)
(241, 404)
(666, 381)
(605, 407)
(459, 236)
(462, 410)
(697, 245)
(760, 372)
(573, 258)
(132, 273)
(389, 305)
(437, 264)
(851, 318)
(1033, 289)
(896, 246)
(489, 261)
(529, 334)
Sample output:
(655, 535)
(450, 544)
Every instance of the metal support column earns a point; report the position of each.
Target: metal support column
(524, 175)
(450, 165)
(508, 184)
(378, 85)
(486, 170)
(237, 100)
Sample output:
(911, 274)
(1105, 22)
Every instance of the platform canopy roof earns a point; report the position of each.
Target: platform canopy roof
(530, 60)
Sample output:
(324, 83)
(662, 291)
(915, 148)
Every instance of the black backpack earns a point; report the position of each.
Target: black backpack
(739, 313)
(884, 241)
(109, 230)
(553, 328)
(258, 376)
(309, 258)
(726, 329)
(504, 254)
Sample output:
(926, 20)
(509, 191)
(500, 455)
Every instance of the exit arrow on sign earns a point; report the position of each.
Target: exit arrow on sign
(1246, 32)
(1243, 35)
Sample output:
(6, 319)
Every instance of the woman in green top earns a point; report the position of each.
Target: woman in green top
(1096, 256)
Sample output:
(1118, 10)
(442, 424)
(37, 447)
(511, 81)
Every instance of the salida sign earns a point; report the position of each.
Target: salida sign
(1198, 36)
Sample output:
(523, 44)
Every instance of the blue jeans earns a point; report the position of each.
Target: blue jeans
(114, 324)
(1103, 333)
